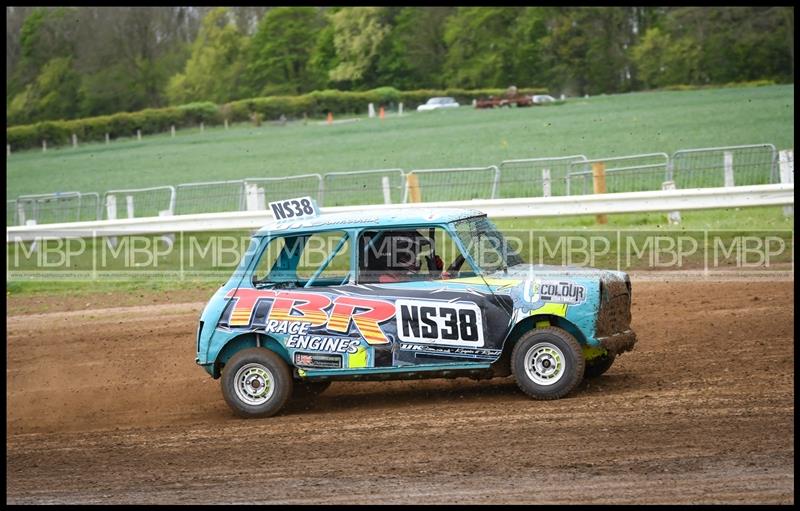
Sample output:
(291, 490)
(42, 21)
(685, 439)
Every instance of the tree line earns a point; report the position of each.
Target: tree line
(71, 62)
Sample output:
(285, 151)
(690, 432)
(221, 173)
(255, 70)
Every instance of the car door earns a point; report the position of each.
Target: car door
(438, 317)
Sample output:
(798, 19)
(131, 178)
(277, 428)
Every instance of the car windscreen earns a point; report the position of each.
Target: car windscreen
(485, 244)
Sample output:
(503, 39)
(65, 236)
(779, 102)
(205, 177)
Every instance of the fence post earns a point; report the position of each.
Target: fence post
(129, 205)
(202, 127)
(74, 140)
(787, 174)
(495, 180)
(728, 169)
(108, 139)
(371, 110)
(20, 214)
(674, 217)
(138, 134)
(387, 191)
(172, 130)
(599, 180)
(414, 193)
(44, 146)
(226, 123)
(261, 199)
(251, 196)
(8, 149)
(111, 212)
(400, 109)
(546, 183)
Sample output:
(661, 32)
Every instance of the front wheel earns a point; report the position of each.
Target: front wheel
(547, 363)
(256, 382)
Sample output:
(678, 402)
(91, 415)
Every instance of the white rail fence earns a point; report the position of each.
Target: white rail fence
(534, 177)
(357, 187)
(452, 184)
(626, 202)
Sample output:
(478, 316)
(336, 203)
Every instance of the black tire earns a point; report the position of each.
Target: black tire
(256, 365)
(599, 365)
(309, 390)
(548, 346)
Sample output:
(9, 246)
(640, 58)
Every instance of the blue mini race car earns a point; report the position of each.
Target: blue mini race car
(402, 294)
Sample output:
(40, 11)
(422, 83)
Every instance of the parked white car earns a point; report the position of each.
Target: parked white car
(544, 98)
(437, 103)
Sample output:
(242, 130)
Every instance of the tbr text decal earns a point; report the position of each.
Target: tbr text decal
(296, 306)
(439, 322)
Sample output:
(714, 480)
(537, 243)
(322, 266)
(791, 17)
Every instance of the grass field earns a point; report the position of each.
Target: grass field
(603, 126)
(598, 127)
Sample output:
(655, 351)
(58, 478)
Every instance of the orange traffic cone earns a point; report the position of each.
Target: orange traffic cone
(381, 114)
(330, 117)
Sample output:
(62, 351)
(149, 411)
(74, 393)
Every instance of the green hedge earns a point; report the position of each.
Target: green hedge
(319, 103)
(124, 124)
(157, 120)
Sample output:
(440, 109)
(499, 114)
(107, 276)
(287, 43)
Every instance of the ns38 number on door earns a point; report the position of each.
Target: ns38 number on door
(438, 322)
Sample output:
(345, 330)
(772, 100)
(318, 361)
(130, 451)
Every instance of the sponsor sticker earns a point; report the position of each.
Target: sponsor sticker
(318, 360)
(474, 352)
(560, 291)
(338, 314)
(533, 294)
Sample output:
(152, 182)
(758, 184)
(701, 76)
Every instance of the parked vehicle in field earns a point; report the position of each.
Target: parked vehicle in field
(402, 294)
(438, 103)
(541, 99)
(499, 102)
(521, 100)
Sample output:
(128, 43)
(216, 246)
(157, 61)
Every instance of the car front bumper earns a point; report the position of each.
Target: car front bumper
(619, 342)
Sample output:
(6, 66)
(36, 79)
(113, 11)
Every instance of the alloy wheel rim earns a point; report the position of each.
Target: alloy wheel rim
(545, 364)
(254, 384)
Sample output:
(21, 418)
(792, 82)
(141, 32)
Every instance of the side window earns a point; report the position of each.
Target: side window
(403, 255)
(295, 260)
(330, 248)
(268, 259)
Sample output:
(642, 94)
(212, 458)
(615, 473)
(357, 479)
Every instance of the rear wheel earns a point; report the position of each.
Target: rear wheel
(256, 382)
(547, 363)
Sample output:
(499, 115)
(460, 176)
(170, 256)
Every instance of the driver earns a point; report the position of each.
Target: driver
(402, 258)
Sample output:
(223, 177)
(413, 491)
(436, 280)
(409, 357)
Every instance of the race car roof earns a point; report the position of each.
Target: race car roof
(382, 218)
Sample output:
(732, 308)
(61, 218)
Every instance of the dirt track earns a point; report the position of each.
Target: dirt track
(107, 406)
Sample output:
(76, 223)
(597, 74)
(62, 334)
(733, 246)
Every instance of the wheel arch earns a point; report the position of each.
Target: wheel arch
(244, 341)
(531, 323)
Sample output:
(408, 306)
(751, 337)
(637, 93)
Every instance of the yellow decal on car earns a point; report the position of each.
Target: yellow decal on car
(556, 309)
(502, 283)
(357, 359)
